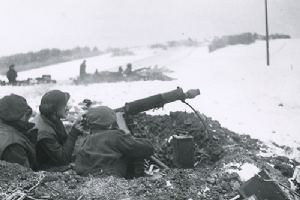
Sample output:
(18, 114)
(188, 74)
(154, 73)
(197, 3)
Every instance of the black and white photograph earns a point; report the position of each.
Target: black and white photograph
(149, 99)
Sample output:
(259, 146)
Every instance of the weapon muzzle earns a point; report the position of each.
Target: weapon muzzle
(190, 94)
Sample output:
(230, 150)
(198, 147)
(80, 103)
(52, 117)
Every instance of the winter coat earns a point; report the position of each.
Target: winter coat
(82, 70)
(11, 75)
(15, 147)
(54, 147)
(110, 151)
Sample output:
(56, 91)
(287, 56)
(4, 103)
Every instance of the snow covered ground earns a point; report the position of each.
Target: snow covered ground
(237, 88)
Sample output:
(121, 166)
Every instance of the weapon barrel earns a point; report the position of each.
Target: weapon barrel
(157, 101)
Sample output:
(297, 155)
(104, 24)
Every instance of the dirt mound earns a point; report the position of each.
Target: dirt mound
(212, 178)
(210, 146)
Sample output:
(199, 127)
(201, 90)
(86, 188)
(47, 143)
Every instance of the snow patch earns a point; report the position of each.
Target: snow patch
(245, 171)
(237, 88)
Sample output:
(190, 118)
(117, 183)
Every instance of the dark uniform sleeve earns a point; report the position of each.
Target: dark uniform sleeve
(59, 154)
(134, 148)
(15, 153)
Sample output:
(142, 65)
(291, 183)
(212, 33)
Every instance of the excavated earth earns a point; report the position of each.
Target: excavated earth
(215, 149)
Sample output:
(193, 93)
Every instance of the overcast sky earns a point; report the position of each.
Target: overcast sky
(35, 24)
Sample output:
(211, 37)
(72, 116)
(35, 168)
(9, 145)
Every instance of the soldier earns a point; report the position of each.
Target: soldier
(83, 69)
(16, 142)
(12, 75)
(120, 70)
(128, 70)
(110, 150)
(54, 146)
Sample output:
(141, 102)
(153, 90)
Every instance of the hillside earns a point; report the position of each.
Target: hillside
(237, 88)
(45, 57)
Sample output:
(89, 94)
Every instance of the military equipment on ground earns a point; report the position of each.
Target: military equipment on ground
(45, 79)
(141, 74)
(157, 101)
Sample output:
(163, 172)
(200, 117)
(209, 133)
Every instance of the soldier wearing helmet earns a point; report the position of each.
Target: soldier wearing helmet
(16, 140)
(54, 146)
(108, 149)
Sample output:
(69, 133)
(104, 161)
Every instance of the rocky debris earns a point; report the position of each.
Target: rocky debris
(283, 164)
(212, 178)
(105, 188)
(285, 169)
(286, 149)
(210, 146)
(47, 185)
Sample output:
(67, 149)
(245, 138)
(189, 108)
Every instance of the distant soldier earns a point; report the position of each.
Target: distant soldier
(128, 70)
(12, 74)
(120, 70)
(83, 69)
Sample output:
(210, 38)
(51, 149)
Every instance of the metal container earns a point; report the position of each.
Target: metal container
(183, 151)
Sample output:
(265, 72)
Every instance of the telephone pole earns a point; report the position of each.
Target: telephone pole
(267, 33)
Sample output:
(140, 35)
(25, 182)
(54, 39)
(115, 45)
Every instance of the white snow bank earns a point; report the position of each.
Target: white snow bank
(237, 88)
(245, 171)
(65, 71)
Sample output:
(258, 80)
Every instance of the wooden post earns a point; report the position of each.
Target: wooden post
(267, 33)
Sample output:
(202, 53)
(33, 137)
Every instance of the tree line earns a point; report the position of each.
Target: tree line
(244, 38)
(44, 57)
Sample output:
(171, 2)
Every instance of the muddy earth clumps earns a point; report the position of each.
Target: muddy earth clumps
(212, 142)
(215, 149)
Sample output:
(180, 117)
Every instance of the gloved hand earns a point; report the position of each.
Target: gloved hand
(77, 128)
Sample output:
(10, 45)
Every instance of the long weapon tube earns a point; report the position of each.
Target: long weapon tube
(157, 101)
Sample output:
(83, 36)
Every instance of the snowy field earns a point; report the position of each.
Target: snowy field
(237, 88)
